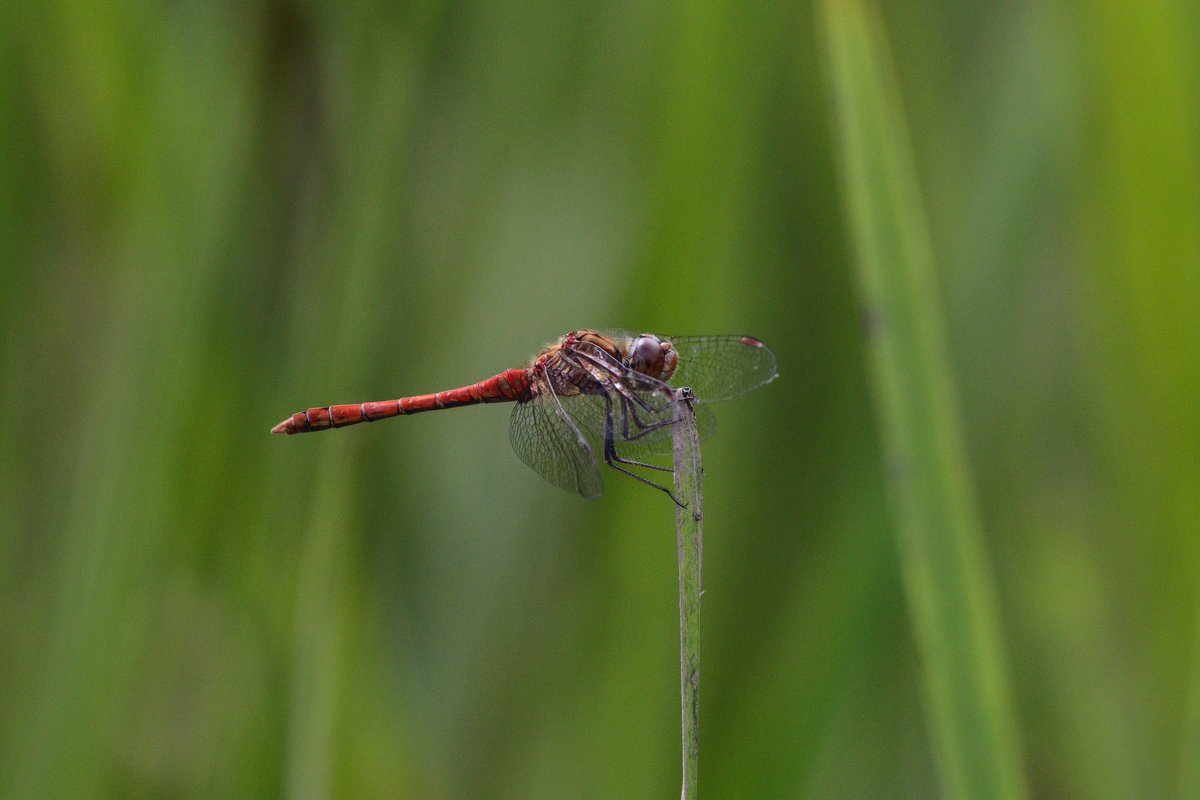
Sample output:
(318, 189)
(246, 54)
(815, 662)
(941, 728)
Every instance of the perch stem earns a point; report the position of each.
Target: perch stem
(689, 519)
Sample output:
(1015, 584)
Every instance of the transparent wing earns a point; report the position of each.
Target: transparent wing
(546, 438)
(638, 434)
(722, 367)
(716, 368)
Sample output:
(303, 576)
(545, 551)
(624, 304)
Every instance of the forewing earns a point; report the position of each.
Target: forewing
(547, 439)
(722, 367)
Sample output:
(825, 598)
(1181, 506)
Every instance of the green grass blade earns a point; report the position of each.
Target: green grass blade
(945, 572)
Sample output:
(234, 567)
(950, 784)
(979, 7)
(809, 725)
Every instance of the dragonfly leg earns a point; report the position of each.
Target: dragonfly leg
(628, 410)
(614, 460)
(626, 437)
(648, 482)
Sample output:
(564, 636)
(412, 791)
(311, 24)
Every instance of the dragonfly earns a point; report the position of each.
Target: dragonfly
(594, 395)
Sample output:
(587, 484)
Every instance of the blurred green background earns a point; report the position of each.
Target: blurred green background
(213, 215)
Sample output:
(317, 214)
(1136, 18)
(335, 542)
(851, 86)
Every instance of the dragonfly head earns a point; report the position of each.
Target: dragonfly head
(652, 356)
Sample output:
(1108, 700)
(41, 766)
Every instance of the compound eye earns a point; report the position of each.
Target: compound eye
(646, 356)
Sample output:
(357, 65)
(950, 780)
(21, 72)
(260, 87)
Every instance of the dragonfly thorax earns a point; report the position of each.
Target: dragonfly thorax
(646, 353)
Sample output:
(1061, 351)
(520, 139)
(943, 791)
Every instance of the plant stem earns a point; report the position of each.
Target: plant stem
(947, 578)
(689, 519)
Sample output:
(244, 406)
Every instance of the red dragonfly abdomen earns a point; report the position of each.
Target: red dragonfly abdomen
(509, 386)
